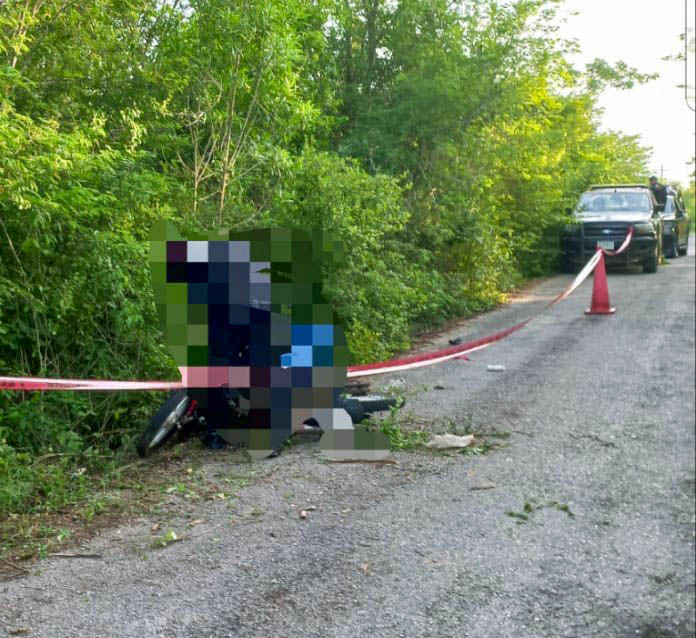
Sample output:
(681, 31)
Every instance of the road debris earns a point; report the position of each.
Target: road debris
(592, 437)
(496, 368)
(165, 540)
(449, 441)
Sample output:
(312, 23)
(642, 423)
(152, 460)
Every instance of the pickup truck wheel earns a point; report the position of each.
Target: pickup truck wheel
(683, 251)
(673, 251)
(650, 264)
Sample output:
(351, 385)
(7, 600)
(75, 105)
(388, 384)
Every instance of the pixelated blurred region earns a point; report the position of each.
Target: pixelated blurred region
(257, 344)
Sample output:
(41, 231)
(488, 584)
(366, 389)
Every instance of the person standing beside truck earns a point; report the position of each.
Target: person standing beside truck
(659, 190)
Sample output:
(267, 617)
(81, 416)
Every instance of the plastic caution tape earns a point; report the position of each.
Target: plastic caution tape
(420, 360)
(624, 246)
(34, 383)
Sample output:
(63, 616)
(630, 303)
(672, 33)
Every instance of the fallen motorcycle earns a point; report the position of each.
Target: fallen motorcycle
(181, 414)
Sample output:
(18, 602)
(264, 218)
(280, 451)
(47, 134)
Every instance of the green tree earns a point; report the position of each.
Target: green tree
(230, 81)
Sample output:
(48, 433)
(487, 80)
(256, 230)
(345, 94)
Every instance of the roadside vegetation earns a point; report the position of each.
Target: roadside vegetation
(441, 141)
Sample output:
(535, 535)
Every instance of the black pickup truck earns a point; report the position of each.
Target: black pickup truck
(602, 218)
(676, 225)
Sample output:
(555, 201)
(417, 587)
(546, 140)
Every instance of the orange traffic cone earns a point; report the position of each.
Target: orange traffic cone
(600, 291)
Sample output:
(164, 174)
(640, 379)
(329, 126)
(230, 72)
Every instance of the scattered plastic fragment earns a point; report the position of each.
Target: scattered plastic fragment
(449, 441)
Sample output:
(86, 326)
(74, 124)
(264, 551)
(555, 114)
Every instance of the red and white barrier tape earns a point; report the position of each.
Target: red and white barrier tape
(418, 361)
(624, 246)
(34, 383)
(365, 369)
(590, 265)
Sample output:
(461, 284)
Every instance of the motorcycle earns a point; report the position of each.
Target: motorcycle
(181, 414)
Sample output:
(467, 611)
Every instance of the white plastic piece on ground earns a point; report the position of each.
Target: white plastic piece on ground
(496, 368)
(449, 441)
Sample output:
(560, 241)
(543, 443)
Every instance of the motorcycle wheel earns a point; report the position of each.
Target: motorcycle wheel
(165, 422)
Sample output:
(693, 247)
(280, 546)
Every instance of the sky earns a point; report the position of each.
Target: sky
(641, 32)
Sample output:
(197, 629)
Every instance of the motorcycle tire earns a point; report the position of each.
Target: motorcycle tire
(164, 423)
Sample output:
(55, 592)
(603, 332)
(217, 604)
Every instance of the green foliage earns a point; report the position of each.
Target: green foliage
(75, 299)
(372, 288)
(600, 75)
(689, 194)
(400, 437)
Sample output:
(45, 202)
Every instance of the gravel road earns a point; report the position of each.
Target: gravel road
(599, 459)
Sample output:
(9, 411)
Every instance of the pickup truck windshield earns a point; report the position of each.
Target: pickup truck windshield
(615, 202)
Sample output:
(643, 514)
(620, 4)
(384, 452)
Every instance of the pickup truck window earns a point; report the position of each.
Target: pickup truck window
(615, 202)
